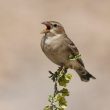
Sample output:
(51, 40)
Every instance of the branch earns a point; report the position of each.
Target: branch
(58, 100)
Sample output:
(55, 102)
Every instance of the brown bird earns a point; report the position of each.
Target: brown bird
(59, 49)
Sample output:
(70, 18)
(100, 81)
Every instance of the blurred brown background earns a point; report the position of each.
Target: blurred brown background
(24, 83)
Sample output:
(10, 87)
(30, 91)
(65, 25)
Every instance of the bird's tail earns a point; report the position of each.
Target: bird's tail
(84, 74)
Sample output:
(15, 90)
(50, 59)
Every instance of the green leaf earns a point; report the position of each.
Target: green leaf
(50, 98)
(62, 81)
(72, 57)
(68, 77)
(64, 92)
(64, 106)
(62, 101)
(47, 108)
(60, 108)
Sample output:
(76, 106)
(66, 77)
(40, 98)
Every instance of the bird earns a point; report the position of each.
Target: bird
(58, 47)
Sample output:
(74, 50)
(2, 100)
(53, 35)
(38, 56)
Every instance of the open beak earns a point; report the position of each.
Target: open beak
(48, 27)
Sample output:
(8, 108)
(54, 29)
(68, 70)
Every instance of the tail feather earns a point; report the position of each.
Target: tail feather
(84, 74)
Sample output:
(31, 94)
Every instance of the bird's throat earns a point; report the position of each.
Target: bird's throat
(52, 39)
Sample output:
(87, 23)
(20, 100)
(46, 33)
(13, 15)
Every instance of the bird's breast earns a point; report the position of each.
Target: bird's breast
(55, 49)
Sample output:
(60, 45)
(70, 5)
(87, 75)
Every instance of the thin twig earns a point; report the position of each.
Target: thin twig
(54, 77)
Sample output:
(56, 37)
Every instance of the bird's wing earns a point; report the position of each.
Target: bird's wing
(74, 50)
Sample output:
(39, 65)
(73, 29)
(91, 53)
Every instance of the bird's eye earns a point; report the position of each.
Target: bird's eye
(55, 25)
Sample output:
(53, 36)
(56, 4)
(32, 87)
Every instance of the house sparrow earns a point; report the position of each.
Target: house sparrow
(58, 47)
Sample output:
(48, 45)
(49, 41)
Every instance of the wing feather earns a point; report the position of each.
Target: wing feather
(74, 50)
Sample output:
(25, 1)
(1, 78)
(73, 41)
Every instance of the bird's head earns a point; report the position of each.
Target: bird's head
(53, 27)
